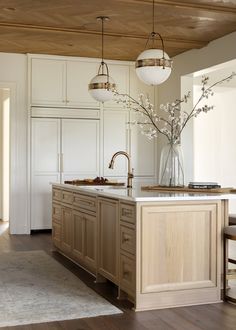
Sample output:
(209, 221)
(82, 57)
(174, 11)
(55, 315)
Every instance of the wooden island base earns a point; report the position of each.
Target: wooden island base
(160, 254)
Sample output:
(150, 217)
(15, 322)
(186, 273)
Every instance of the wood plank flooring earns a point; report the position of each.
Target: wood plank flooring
(220, 316)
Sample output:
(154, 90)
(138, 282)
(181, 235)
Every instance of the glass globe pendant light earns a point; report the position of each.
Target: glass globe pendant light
(101, 87)
(153, 66)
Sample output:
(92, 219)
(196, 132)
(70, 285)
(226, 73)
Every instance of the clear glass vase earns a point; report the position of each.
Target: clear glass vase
(171, 173)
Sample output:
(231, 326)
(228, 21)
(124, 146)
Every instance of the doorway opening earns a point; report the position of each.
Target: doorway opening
(4, 155)
(209, 139)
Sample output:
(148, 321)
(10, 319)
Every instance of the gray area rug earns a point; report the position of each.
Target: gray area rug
(35, 288)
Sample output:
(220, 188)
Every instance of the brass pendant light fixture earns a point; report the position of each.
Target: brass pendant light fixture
(101, 87)
(153, 66)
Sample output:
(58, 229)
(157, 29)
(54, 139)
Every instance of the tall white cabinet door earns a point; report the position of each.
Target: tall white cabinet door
(120, 74)
(115, 138)
(48, 82)
(143, 150)
(45, 168)
(143, 153)
(79, 75)
(80, 148)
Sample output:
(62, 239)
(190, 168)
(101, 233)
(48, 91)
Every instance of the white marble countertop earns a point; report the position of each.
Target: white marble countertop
(137, 195)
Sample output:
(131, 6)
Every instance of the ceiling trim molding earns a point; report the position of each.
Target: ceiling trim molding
(182, 43)
(186, 5)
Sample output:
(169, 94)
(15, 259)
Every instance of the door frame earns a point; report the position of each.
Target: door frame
(12, 148)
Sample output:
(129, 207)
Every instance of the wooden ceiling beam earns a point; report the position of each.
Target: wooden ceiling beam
(181, 43)
(186, 5)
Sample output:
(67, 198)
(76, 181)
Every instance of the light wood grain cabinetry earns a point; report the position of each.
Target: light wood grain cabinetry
(128, 248)
(74, 227)
(160, 254)
(84, 241)
(66, 229)
(108, 240)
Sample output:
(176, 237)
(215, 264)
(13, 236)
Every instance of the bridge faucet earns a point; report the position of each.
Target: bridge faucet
(130, 171)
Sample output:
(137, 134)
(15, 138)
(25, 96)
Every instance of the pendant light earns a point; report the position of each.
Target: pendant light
(101, 87)
(153, 66)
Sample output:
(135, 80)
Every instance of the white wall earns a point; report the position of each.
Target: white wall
(13, 75)
(216, 52)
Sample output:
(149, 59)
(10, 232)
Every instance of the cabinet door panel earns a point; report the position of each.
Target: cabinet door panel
(120, 74)
(56, 234)
(80, 147)
(143, 150)
(108, 239)
(45, 145)
(79, 75)
(48, 82)
(90, 241)
(115, 138)
(66, 235)
(185, 238)
(45, 150)
(41, 200)
(78, 236)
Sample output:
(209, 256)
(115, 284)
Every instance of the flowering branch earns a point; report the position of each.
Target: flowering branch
(174, 120)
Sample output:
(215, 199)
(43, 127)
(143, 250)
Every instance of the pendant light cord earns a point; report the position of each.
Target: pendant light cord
(153, 33)
(102, 39)
(153, 17)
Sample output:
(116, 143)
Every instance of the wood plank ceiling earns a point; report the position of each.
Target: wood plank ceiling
(69, 27)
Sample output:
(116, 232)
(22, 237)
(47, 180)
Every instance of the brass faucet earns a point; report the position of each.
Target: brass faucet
(130, 171)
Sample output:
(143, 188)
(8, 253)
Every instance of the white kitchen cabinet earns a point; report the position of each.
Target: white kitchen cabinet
(79, 148)
(120, 74)
(61, 149)
(48, 82)
(143, 150)
(115, 138)
(45, 168)
(62, 83)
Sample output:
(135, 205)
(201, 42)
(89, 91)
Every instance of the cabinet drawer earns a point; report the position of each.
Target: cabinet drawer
(67, 197)
(56, 194)
(127, 213)
(85, 202)
(56, 212)
(127, 274)
(127, 239)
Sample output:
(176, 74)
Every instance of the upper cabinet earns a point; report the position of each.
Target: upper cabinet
(120, 74)
(62, 83)
(137, 87)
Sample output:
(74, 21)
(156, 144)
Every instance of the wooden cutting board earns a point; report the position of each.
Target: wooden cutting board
(94, 183)
(228, 190)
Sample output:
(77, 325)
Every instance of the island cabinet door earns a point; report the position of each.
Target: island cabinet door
(84, 239)
(66, 235)
(90, 241)
(179, 253)
(78, 236)
(108, 239)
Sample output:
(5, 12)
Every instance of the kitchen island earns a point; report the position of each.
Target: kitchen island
(161, 249)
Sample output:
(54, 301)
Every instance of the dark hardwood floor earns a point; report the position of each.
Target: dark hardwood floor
(220, 316)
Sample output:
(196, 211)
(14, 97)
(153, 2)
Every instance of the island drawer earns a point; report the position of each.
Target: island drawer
(56, 212)
(127, 239)
(127, 212)
(85, 202)
(67, 197)
(127, 274)
(56, 194)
